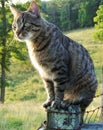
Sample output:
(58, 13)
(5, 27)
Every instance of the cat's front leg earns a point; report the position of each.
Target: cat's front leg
(50, 91)
(59, 87)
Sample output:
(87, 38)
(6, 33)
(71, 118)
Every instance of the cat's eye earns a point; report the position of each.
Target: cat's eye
(27, 25)
(14, 27)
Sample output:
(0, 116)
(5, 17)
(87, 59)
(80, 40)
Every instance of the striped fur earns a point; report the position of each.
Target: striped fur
(64, 65)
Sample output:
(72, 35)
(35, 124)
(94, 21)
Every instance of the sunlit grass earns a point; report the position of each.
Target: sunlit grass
(24, 84)
(21, 116)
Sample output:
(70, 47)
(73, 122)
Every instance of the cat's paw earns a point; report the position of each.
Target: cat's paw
(61, 104)
(56, 104)
(47, 103)
(65, 104)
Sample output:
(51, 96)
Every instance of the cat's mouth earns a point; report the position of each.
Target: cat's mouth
(19, 38)
(22, 37)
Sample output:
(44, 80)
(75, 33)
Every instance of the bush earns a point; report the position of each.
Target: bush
(99, 23)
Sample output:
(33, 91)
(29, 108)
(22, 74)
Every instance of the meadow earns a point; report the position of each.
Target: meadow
(25, 92)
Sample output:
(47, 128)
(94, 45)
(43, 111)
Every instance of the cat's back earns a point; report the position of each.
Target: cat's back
(78, 54)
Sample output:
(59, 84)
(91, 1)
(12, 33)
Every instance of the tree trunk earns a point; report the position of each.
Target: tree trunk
(3, 62)
(3, 84)
(102, 97)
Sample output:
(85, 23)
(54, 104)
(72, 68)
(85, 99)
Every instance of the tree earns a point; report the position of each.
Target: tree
(52, 11)
(63, 18)
(87, 11)
(3, 49)
(71, 14)
(7, 50)
(99, 23)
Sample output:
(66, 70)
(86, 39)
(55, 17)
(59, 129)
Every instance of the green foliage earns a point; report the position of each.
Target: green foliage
(70, 14)
(26, 5)
(99, 23)
(82, 14)
(12, 48)
(7, 48)
(87, 11)
(4, 41)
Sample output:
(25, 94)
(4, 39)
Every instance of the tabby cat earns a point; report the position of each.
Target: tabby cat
(64, 65)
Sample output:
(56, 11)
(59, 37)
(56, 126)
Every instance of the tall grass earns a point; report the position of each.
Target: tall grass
(21, 116)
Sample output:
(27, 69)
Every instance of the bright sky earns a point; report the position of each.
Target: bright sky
(23, 1)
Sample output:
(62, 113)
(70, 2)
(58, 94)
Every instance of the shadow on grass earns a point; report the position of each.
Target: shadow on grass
(29, 96)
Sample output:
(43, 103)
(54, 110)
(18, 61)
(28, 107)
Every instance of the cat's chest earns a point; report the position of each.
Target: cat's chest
(39, 61)
(41, 65)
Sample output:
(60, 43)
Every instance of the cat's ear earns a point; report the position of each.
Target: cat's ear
(14, 11)
(34, 9)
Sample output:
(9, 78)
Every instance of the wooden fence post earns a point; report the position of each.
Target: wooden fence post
(64, 120)
(102, 97)
(67, 120)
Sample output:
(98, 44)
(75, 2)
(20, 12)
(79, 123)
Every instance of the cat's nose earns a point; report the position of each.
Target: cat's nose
(17, 32)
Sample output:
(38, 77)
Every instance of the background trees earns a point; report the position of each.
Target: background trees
(4, 51)
(8, 46)
(99, 23)
(71, 14)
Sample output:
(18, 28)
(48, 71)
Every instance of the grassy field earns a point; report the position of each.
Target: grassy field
(25, 92)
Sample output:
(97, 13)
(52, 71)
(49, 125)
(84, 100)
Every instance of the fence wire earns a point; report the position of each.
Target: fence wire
(94, 115)
(89, 113)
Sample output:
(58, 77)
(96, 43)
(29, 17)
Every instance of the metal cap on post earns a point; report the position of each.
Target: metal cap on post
(64, 119)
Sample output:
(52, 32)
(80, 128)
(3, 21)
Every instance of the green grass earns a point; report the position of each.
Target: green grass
(24, 84)
(21, 116)
(25, 92)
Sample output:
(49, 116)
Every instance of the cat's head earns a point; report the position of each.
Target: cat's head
(26, 24)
